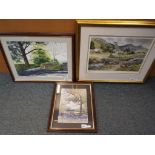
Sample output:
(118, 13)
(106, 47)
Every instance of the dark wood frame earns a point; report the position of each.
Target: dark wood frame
(145, 23)
(38, 34)
(92, 106)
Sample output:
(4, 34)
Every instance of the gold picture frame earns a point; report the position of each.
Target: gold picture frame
(129, 25)
(72, 108)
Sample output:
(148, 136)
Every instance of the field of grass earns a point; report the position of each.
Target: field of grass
(133, 67)
(22, 67)
(51, 66)
(116, 61)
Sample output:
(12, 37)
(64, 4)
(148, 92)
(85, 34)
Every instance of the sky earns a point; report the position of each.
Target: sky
(58, 49)
(145, 42)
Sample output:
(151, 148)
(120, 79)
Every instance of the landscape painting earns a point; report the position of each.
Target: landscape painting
(43, 58)
(117, 53)
(73, 106)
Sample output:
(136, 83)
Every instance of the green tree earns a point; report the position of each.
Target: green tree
(19, 50)
(109, 47)
(40, 56)
(92, 46)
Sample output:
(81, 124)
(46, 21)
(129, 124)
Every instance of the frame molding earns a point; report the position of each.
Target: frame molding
(38, 34)
(148, 23)
(51, 112)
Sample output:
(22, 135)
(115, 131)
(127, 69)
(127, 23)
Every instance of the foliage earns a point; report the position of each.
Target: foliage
(52, 65)
(22, 67)
(99, 43)
(18, 49)
(92, 46)
(108, 48)
(133, 67)
(40, 56)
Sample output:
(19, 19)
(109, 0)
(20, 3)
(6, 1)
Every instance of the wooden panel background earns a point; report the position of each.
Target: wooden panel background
(39, 25)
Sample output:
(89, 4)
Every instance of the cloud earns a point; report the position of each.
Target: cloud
(145, 42)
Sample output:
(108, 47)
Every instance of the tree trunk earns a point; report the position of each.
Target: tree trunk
(23, 54)
(25, 60)
(80, 105)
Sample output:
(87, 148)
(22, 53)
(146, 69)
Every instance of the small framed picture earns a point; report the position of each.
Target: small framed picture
(73, 108)
(115, 50)
(39, 57)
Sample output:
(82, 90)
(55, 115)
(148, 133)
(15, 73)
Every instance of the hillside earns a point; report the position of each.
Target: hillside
(104, 46)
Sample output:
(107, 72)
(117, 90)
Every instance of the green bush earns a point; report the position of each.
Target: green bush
(52, 65)
(22, 67)
(92, 45)
(135, 67)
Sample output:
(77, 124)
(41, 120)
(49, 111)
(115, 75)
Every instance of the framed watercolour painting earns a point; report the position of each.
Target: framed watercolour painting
(39, 57)
(72, 108)
(114, 50)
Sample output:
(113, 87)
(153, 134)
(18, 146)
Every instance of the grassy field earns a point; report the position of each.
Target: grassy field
(50, 66)
(115, 61)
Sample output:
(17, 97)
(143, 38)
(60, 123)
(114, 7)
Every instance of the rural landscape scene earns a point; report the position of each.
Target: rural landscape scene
(39, 58)
(73, 106)
(117, 53)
